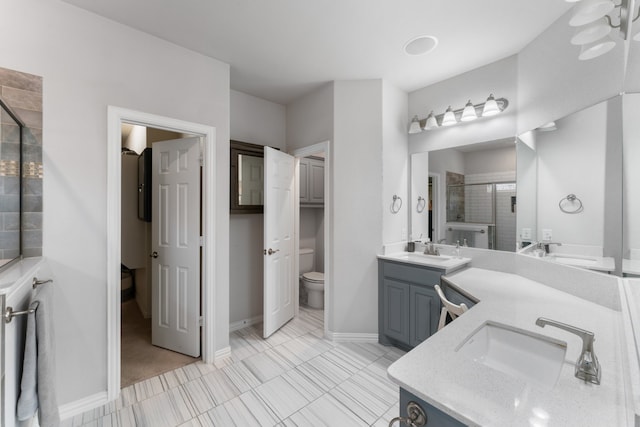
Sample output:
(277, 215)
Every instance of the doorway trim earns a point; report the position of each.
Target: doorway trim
(116, 116)
(324, 146)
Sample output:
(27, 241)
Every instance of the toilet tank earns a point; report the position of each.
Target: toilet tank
(306, 260)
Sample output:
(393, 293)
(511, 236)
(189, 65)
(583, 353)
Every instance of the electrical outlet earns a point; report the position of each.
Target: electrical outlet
(547, 234)
(526, 234)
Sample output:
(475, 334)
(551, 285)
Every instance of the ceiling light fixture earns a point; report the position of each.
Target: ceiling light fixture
(470, 112)
(420, 45)
(595, 21)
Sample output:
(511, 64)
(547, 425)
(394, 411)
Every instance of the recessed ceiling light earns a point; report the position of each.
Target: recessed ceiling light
(420, 45)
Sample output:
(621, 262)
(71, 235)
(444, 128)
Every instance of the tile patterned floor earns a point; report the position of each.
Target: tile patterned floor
(293, 378)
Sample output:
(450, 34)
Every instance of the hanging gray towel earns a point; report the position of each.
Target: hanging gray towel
(38, 386)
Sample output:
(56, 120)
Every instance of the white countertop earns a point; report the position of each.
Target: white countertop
(445, 263)
(17, 271)
(478, 395)
(631, 266)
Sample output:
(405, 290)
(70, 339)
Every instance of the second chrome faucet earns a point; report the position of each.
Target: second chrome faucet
(587, 366)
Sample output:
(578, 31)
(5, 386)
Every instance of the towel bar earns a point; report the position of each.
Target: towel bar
(9, 314)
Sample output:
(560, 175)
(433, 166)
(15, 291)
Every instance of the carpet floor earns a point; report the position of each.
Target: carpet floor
(140, 359)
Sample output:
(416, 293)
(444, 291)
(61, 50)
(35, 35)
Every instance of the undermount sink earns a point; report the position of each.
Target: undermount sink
(412, 256)
(534, 358)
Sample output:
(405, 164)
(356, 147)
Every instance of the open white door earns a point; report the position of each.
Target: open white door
(279, 280)
(175, 245)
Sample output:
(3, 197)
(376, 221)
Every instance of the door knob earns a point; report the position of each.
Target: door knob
(271, 251)
(154, 254)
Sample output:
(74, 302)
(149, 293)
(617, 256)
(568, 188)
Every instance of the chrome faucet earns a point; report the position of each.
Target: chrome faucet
(430, 249)
(587, 366)
(545, 245)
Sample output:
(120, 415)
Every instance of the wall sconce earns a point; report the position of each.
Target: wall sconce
(450, 117)
(595, 21)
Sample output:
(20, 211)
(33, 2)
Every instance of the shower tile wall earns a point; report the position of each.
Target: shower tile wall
(455, 198)
(478, 207)
(23, 93)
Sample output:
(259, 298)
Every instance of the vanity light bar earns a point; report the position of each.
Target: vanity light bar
(469, 112)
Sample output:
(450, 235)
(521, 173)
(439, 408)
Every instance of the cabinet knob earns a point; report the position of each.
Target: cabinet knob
(416, 416)
(154, 254)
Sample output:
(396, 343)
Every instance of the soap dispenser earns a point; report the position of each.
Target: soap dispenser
(457, 250)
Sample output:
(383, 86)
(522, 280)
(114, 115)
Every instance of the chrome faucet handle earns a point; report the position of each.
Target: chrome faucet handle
(587, 365)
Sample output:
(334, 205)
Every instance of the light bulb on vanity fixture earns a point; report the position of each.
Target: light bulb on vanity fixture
(595, 22)
(414, 126)
(490, 107)
(451, 117)
(469, 113)
(431, 122)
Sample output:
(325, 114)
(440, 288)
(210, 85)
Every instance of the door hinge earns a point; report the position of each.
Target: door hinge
(201, 241)
(200, 321)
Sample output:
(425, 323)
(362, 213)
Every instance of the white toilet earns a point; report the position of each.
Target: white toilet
(312, 281)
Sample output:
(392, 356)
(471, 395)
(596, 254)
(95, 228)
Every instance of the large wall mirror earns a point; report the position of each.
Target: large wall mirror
(469, 195)
(247, 178)
(569, 171)
(576, 173)
(631, 188)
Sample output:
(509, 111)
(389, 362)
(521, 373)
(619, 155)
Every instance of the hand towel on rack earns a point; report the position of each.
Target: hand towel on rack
(38, 386)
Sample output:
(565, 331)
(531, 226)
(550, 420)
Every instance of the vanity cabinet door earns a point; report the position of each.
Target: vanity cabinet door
(304, 180)
(409, 307)
(396, 310)
(316, 181)
(424, 313)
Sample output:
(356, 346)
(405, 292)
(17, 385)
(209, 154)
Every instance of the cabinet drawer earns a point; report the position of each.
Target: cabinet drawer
(411, 274)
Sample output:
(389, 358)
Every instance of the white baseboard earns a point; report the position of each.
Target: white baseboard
(222, 354)
(244, 323)
(85, 404)
(351, 337)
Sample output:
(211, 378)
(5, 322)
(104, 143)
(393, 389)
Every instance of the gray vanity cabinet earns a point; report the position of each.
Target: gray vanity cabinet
(409, 306)
(435, 417)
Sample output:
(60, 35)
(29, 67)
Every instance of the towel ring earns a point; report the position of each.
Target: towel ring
(571, 198)
(422, 202)
(393, 204)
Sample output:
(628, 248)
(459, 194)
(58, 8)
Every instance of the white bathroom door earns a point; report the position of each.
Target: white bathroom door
(175, 245)
(279, 277)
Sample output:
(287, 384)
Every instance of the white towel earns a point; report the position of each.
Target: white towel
(38, 386)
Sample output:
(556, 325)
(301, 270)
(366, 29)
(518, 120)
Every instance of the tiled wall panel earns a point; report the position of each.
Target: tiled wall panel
(23, 93)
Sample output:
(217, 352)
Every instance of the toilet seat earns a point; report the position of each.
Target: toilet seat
(314, 277)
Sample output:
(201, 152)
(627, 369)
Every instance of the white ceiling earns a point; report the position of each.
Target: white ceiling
(281, 49)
